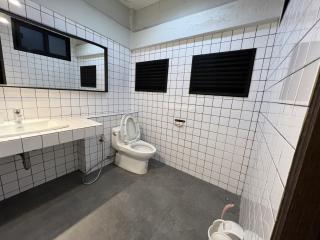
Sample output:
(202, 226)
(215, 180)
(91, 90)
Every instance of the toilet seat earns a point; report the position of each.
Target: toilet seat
(138, 149)
(143, 147)
(129, 129)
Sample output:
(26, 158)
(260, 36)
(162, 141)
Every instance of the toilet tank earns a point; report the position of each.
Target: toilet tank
(115, 138)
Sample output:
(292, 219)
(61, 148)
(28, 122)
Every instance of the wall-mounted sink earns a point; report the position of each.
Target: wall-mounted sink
(22, 136)
(12, 128)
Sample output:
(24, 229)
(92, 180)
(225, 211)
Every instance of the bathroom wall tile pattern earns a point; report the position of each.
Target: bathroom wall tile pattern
(28, 69)
(51, 162)
(44, 103)
(293, 72)
(54, 103)
(215, 143)
(90, 150)
(46, 164)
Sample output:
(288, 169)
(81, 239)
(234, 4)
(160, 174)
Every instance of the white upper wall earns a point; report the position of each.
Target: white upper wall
(138, 4)
(227, 16)
(113, 9)
(110, 18)
(168, 10)
(83, 13)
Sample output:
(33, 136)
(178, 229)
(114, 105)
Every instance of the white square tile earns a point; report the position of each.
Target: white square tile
(33, 14)
(10, 147)
(60, 24)
(18, 9)
(78, 134)
(50, 139)
(31, 143)
(47, 19)
(90, 132)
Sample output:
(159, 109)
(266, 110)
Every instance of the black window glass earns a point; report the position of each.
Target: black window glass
(88, 75)
(34, 39)
(57, 45)
(31, 39)
(222, 74)
(152, 76)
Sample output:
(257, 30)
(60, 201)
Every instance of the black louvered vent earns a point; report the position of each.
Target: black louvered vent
(152, 76)
(222, 74)
(88, 75)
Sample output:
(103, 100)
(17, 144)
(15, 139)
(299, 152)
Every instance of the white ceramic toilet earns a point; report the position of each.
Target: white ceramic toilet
(132, 154)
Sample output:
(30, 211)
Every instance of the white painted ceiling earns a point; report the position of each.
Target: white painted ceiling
(138, 4)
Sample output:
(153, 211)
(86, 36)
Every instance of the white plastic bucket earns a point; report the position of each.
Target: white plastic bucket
(213, 231)
(232, 229)
(219, 236)
(225, 230)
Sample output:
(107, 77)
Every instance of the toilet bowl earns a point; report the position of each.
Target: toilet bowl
(132, 154)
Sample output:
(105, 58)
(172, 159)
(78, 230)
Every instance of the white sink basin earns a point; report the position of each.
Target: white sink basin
(11, 128)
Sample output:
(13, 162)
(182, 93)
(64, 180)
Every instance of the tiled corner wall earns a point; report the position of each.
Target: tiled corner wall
(46, 164)
(91, 148)
(216, 141)
(56, 161)
(55, 103)
(293, 71)
(52, 162)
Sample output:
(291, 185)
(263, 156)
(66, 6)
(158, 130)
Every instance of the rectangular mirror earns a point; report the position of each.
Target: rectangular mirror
(37, 56)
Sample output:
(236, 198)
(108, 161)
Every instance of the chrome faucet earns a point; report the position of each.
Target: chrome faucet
(17, 116)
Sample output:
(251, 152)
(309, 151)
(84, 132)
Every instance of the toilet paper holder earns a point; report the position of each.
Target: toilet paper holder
(179, 122)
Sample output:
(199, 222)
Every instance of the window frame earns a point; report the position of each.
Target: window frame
(247, 84)
(35, 23)
(162, 90)
(46, 52)
(81, 74)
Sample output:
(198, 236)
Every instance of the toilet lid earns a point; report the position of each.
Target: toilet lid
(129, 129)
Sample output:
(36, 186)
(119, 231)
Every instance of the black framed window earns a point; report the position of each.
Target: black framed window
(222, 74)
(88, 76)
(152, 76)
(34, 39)
(58, 46)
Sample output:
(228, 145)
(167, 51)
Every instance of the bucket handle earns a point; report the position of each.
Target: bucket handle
(226, 208)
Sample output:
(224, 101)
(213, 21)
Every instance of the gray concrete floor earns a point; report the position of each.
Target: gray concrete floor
(163, 204)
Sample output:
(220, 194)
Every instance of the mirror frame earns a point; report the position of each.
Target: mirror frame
(15, 16)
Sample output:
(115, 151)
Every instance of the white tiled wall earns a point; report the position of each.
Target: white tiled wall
(55, 103)
(34, 70)
(294, 66)
(90, 149)
(51, 162)
(244, 145)
(46, 164)
(42, 103)
(216, 142)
